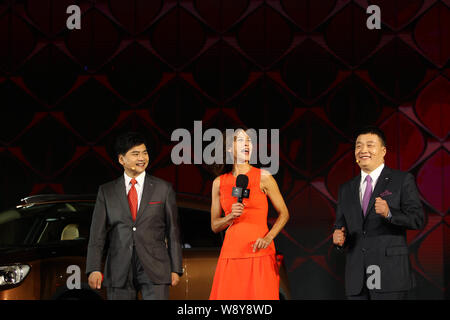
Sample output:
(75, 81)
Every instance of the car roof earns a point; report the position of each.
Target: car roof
(184, 200)
(39, 198)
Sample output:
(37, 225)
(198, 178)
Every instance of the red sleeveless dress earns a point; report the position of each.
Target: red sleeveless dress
(242, 274)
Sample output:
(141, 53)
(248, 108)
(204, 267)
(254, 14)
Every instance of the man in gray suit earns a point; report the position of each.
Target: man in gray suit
(136, 217)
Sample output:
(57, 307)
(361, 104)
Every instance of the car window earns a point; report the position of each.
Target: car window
(17, 226)
(70, 221)
(45, 223)
(196, 229)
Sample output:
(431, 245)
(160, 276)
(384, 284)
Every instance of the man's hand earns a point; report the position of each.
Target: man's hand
(262, 243)
(339, 237)
(381, 207)
(175, 279)
(95, 280)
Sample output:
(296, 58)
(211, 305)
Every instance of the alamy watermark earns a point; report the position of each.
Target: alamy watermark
(374, 21)
(74, 20)
(373, 277)
(74, 280)
(256, 142)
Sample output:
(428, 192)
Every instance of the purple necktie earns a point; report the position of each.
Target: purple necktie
(367, 194)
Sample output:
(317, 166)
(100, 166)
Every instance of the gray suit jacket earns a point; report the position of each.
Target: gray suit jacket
(155, 233)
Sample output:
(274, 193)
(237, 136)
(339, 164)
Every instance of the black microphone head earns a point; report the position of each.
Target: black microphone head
(242, 181)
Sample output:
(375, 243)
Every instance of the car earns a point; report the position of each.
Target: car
(43, 247)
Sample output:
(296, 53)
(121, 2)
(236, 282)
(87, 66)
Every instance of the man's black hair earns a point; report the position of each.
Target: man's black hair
(127, 141)
(373, 130)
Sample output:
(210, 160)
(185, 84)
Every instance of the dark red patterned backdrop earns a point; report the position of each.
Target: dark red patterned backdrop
(310, 68)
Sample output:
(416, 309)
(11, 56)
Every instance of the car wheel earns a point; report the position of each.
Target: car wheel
(81, 294)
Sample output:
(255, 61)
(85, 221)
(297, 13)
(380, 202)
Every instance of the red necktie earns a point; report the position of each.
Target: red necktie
(133, 199)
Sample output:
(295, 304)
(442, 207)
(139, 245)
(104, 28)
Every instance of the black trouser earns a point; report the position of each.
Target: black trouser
(373, 295)
(367, 294)
(138, 281)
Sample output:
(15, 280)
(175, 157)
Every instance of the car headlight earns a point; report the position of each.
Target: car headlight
(13, 274)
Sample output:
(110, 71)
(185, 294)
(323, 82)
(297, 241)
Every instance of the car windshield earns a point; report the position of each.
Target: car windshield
(45, 223)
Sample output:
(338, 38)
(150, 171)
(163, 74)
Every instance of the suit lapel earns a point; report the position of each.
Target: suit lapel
(355, 201)
(382, 182)
(121, 192)
(146, 195)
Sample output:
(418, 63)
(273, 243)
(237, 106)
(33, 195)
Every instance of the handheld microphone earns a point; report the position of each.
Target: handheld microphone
(241, 191)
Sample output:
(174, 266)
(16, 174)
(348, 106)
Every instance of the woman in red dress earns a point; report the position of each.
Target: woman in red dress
(247, 268)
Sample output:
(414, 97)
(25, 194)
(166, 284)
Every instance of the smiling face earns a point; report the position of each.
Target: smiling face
(369, 152)
(135, 161)
(242, 147)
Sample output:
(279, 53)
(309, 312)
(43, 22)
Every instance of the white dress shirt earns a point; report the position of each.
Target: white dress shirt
(139, 185)
(375, 174)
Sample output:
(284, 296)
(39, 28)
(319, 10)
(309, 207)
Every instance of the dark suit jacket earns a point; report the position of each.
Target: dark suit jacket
(156, 222)
(375, 240)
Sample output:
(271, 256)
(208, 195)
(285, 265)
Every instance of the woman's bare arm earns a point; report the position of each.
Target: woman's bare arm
(270, 187)
(219, 223)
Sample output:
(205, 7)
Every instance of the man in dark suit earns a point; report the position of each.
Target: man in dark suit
(136, 217)
(374, 211)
